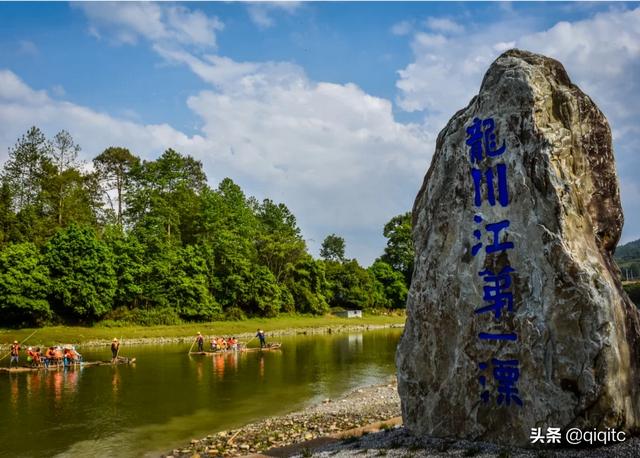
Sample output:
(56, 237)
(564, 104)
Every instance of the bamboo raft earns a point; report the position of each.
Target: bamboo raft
(269, 347)
(59, 366)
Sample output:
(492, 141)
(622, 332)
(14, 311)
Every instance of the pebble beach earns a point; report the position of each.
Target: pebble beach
(364, 423)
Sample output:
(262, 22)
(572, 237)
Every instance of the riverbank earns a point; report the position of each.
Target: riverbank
(363, 423)
(244, 330)
(378, 404)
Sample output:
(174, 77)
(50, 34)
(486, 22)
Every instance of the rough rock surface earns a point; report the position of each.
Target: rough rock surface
(578, 334)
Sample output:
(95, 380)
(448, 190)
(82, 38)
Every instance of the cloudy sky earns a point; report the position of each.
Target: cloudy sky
(331, 108)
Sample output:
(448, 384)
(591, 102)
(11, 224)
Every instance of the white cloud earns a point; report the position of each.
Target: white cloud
(127, 22)
(402, 28)
(261, 13)
(58, 90)
(27, 47)
(601, 55)
(444, 25)
(22, 107)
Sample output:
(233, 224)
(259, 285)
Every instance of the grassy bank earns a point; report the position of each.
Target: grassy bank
(79, 335)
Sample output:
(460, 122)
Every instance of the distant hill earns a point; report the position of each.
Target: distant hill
(628, 258)
(628, 251)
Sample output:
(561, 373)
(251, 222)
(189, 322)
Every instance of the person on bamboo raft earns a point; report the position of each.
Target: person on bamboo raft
(200, 342)
(15, 352)
(260, 335)
(50, 357)
(115, 347)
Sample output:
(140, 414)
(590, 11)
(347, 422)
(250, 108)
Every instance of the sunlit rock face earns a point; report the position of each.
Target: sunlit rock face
(560, 343)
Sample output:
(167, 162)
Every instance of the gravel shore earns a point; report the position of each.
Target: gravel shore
(364, 423)
(357, 409)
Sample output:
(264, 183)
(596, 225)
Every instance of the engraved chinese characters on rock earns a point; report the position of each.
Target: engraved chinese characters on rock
(497, 295)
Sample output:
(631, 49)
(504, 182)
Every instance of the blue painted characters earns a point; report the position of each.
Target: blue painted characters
(506, 374)
(490, 187)
(494, 228)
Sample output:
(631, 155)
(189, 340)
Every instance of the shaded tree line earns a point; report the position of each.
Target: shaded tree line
(127, 240)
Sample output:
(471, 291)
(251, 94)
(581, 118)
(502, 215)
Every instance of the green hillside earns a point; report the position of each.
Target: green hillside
(628, 258)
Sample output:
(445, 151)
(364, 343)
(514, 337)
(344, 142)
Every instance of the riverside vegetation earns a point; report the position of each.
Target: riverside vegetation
(149, 242)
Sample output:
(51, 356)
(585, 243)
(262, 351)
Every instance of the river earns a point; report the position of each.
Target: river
(168, 398)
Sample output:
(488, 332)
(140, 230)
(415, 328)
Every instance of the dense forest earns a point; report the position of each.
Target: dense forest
(121, 240)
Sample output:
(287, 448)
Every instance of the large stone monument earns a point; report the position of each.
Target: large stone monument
(516, 314)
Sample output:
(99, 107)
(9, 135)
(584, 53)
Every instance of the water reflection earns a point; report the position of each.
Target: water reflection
(224, 362)
(71, 378)
(355, 342)
(13, 387)
(115, 380)
(199, 369)
(32, 386)
(261, 367)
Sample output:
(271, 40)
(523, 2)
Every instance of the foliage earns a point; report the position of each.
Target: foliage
(633, 290)
(391, 284)
(83, 282)
(399, 252)
(113, 168)
(333, 248)
(351, 286)
(306, 285)
(124, 316)
(24, 283)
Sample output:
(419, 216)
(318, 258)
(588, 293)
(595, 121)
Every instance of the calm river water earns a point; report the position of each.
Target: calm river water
(168, 398)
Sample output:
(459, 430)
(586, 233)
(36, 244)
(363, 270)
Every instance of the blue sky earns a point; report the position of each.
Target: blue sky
(332, 108)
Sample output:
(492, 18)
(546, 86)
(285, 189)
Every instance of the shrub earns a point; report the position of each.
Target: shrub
(234, 314)
(633, 290)
(123, 316)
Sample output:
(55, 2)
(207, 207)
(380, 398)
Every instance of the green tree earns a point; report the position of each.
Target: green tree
(64, 155)
(129, 265)
(307, 285)
(350, 286)
(114, 166)
(279, 243)
(7, 215)
(187, 286)
(70, 198)
(263, 297)
(333, 248)
(399, 252)
(83, 282)
(391, 284)
(24, 284)
(24, 170)
(164, 195)
(24, 174)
